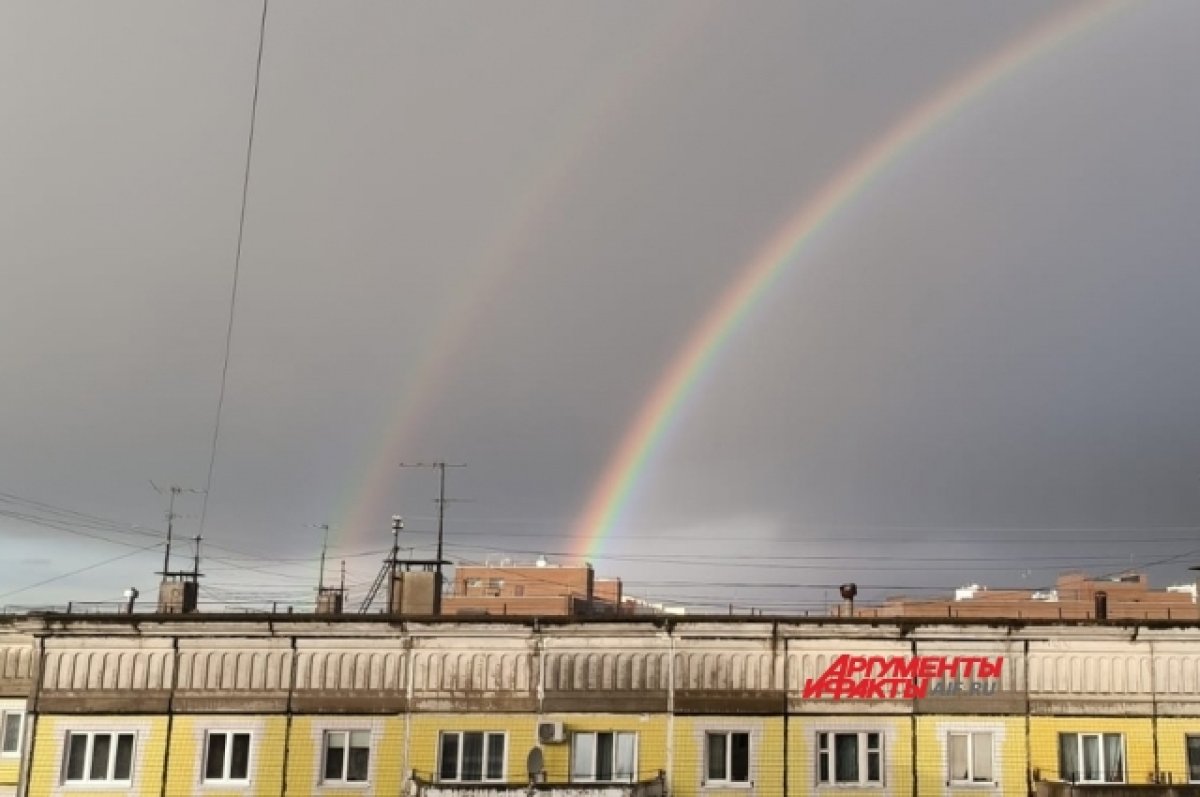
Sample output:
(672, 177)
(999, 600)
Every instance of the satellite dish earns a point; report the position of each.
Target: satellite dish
(535, 765)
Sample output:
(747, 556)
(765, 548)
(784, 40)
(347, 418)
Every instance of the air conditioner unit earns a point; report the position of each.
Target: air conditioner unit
(551, 732)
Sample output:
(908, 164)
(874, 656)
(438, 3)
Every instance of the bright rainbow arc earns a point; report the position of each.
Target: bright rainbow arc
(660, 412)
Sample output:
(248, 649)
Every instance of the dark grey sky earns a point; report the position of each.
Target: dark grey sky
(481, 232)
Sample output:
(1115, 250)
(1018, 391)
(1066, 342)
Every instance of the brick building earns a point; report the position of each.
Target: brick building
(1075, 596)
(542, 589)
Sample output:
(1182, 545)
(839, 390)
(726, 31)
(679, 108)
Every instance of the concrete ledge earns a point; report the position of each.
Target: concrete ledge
(472, 703)
(95, 701)
(715, 701)
(613, 701)
(16, 687)
(336, 702)
(227, 703)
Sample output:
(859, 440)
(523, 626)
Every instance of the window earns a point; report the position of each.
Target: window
(347, 756)
(728, 757)
(607, 756)
(10, 732)
(99, 757)
(471, 757)
(1193, 758)
(850, 758)
(970, 758)
(1091, 757)
(226, 756)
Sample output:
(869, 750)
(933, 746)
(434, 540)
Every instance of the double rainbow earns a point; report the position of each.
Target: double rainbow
(660, 412)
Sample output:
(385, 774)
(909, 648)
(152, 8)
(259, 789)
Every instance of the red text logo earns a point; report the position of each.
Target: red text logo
(903, 677)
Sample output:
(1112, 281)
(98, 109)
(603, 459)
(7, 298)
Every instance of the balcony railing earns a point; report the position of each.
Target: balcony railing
(647, 788)
(1046, 789)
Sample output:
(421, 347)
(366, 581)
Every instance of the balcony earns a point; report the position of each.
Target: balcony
(1046, 789)
(648, 788)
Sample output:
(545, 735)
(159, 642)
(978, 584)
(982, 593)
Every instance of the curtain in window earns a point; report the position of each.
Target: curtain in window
(1091, 758)
(76, 756)
(335, 755)
(823, 757)
(716, 756)
(604, 756)
(472, 755)
(845, 750)
(623, 770)
(1114, 758)
(214, 767)
(360, 755)
(10, 733)
(874, 754)
(959, 767)
(101, 746)
(1068, 757)
(123, 768)
(981, 757)
(495, 756)
(739, 757)
(449, 766)
(582, 755)
(239, 765)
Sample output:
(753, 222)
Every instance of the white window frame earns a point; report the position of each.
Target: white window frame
(864, 754)
(1187, 755)
(89, 750)
(1099, 736)
(591, 778)
(344, 779)
(972, 742)
(227, 764)
(728, 779)
(487, 745)
(15, 750)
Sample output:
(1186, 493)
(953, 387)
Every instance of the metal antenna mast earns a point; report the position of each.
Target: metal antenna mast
(196, 558)
(174, 490)
(441, 527)
(324, 547)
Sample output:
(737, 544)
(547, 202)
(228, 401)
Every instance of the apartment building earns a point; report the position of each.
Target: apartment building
(1075, 596)
(715, 707)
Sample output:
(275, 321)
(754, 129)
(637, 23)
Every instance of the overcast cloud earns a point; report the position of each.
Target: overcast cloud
(989, 357)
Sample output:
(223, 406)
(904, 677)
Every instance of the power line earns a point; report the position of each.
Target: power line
(237, 267)
(80, 570)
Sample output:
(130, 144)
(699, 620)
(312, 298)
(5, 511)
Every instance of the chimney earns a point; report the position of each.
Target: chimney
(849, 592)
(329, 600)
(413, 593)
(177, 596)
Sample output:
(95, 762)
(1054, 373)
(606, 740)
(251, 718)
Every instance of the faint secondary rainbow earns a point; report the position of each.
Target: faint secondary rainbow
(660, 411)
(363, 511)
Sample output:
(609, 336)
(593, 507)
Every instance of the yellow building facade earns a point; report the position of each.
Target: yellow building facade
(222, 706)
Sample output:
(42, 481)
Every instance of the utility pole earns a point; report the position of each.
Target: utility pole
(441, 527)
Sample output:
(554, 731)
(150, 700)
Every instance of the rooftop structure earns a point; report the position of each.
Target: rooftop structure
(541, 589)
(1075, 596)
